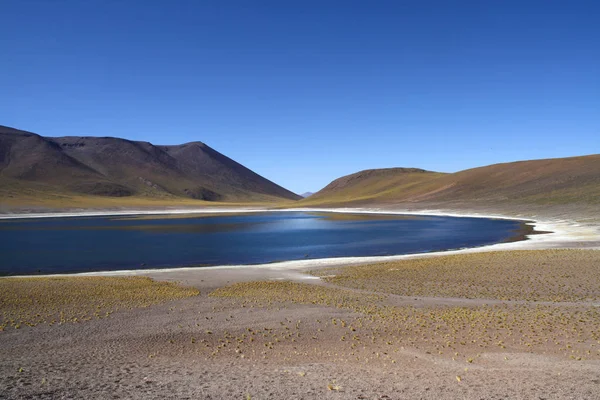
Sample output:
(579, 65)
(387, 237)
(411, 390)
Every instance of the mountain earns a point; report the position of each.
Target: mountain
(550, 182)
(107, 171)
(306, 194)
(113, 167)
(373, 185)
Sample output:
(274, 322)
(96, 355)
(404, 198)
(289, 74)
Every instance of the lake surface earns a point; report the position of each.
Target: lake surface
(64, 245)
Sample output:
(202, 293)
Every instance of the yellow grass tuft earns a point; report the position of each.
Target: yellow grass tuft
(57, 300)
(464, 331)
(301, 293)
(538, 275)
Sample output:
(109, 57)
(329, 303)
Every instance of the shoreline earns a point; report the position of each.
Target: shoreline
(214, 210)
(469, 324)
(557, 234)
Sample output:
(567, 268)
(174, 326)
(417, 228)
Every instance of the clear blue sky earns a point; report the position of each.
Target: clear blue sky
(303, 92)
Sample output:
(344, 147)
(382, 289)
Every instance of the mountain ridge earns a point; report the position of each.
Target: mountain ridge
(57, 171)
(116, 167)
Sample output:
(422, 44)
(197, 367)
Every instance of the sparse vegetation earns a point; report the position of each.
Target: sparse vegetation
(57, 300)
(282, 291)
(543, 275)
(459, 332)
(292, 327)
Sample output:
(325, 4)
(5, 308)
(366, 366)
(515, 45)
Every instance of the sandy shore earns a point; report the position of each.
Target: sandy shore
(327, 337)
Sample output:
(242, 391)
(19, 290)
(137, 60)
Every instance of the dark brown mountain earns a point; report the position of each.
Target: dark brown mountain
(113, 167)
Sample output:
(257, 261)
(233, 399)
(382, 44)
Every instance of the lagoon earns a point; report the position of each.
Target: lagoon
(84, 244)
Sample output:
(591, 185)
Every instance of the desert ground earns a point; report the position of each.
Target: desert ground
(510, 321)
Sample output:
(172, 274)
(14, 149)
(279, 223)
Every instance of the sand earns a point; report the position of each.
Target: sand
(316, 338)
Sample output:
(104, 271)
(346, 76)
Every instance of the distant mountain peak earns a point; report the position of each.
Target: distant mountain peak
(110, 166)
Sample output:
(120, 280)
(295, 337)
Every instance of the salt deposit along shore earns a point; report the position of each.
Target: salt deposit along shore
(511, 320)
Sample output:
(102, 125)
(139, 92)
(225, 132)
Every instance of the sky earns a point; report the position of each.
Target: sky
(303, 92)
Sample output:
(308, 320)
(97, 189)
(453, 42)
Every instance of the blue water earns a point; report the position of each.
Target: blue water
(61, 245)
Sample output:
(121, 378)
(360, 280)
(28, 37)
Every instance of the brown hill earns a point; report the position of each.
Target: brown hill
(574, 180)
(113, 167)
(373, 185)
(549, 181)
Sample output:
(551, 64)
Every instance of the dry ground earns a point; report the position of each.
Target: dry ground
(538, 275)
(389, 331)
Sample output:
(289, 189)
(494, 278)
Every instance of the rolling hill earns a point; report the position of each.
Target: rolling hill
(550, 182)
(35, 167)
(373, 185)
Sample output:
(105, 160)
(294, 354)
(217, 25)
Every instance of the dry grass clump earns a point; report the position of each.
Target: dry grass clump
(301, 293)
(567, 330)
(458, 332)
(539, 275)
(31, 301)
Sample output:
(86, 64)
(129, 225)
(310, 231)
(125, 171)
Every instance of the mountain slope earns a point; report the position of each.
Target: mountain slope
(574, 180)
(220, 171)
(113, 167)
(549, 181)
(373, 185)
